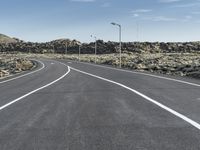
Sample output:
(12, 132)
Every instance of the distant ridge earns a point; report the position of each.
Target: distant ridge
(7, 39)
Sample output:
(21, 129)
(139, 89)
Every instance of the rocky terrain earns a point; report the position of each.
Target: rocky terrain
(62, 46)
(185, 64)
(166, 58)
(11, 64)
(173, 64)
(7, 39)
(56, 46)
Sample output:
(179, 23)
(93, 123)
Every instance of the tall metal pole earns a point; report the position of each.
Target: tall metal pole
(79, 53)
(120, 42)
(53, 49)
(120, 45)
(95, 48)
(66, 49)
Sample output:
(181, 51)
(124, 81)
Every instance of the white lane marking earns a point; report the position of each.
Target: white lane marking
(190, 121)
(69, 62)
(43, 66)
(140, 73)
(52, 63)
(20, 98)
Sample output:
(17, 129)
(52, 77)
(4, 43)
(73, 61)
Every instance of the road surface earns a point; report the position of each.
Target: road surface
(78, 106)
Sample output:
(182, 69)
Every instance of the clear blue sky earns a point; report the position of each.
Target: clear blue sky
(45, 20)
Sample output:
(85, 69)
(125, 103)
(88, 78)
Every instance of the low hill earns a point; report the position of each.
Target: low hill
(6, 39)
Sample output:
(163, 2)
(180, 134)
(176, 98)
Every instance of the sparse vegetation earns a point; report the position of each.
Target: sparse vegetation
(12, 64)
(185, 64)
(164, 58)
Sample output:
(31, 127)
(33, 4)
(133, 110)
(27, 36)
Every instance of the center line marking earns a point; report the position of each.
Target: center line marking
(179, 115)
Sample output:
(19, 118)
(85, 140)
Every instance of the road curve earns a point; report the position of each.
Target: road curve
(82, 112)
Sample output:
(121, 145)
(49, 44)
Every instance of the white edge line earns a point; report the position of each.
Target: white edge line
(43, 66)
(155, 76)
(20, 98)
(190, 121)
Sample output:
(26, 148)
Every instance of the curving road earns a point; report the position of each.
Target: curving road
(91, 107)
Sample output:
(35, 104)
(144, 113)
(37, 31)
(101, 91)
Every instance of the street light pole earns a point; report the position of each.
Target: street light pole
(79, 52)
(53, 49)
(66, 48)
(120, 45)
(95, 48)
(120, 42)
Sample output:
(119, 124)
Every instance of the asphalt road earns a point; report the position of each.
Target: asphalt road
(89, 107)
